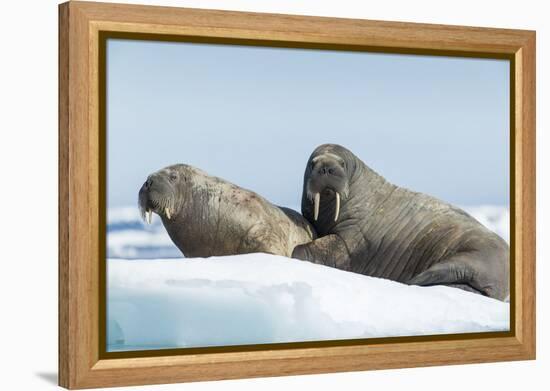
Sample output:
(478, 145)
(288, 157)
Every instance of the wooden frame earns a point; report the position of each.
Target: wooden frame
(82, 161)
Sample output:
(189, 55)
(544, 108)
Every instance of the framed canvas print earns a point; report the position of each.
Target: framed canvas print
(248, 195)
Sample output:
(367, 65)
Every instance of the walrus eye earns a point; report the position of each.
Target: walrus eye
(173, 177)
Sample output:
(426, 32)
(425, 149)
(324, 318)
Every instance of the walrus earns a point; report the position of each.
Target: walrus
(208, 216)
(368, 225)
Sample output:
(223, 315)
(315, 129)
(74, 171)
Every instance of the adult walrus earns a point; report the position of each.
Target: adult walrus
(367, 225)
(208, 216)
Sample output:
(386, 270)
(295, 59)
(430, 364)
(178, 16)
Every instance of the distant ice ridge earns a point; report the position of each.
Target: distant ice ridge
(496, 218)
(261, 298)
(129, 237)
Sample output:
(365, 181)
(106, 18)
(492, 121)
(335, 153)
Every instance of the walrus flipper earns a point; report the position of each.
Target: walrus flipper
(470, 271)
(464, 287)
(329, 250)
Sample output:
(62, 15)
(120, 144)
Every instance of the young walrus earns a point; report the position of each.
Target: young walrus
(367, 225)
(208, 216)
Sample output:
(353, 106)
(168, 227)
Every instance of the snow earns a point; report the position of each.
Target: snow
(157, 299)
(128, 237)
(261, 298)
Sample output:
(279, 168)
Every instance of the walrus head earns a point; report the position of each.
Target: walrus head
(328, 174)
(162, 193)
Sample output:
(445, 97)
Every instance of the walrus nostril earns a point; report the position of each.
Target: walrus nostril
(148, 183)
(325, 171)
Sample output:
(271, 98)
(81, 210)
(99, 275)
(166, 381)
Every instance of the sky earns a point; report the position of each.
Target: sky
(253, 115)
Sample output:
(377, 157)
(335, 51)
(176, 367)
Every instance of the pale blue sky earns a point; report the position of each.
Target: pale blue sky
(253, 115)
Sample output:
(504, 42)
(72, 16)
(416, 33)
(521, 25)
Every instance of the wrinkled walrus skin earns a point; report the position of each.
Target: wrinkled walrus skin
(208, 216)
(367, 225)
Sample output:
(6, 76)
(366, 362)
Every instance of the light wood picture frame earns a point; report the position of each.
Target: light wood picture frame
(83, 29)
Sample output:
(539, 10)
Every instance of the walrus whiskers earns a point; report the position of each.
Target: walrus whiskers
(163, 205)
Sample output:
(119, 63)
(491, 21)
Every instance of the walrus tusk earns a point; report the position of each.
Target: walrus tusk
(149, 216)
(316, 202)
(167, 212)
(337, 207)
